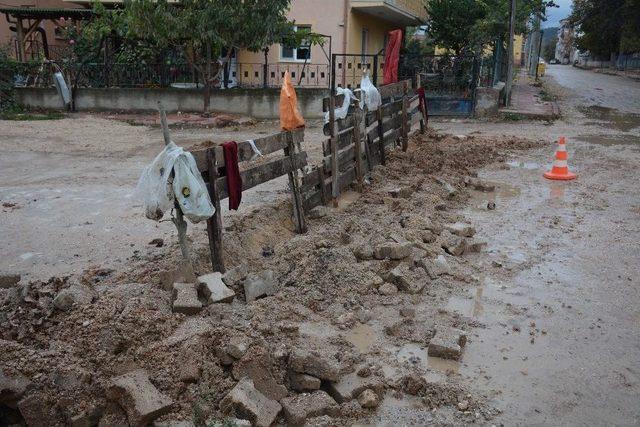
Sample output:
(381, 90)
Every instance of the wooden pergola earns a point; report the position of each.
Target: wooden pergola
(27, 20)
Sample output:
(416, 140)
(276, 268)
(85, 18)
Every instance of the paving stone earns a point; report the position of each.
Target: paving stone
(259, 285)
(256, 365)
(214, 289)
(235, 275)
(307, 405)
(303, 382)
(313, 363)
(12, 388)
(435, 267)
(395, 251)
(401, 277)
(246, 402)
(35, 410)
(186, 298)
(447, 343)
(351, 385)
(368, 399)
(454, 245)
(475, 245)
(363, 252)
(237, 347)
(140, 399)
(8, 280)
(461, 229)
(404, 192)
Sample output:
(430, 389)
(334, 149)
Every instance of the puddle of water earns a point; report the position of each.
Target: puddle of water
(503, 192)
(361, 336)
(416, 355)
(608, 140)
(523, 165)
(611, 118)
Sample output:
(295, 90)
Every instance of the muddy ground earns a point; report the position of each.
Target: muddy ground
(550, 306)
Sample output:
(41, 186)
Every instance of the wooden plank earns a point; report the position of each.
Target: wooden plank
(389, 140)
(346, 156)
(314, 198)
(344, 140)
(405, 125)
(294, 184)
(393, 89)
(357, 142)
(387, 125)
(335, 191)
(267, 145)
(341, 124)
(214, 224)
(380, 130)
(339, 99)
(263, 173)
(388, 109)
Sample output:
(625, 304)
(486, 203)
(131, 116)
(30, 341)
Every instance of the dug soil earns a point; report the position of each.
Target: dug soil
(334, 298)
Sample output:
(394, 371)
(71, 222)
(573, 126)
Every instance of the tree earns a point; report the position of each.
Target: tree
(600, 23)
(549, 51)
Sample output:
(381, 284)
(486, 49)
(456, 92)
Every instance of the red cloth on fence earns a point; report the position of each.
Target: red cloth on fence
(423, 105)
(234, 181)
(392, 56)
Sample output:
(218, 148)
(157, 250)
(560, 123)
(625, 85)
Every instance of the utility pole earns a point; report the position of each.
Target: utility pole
(509, 82)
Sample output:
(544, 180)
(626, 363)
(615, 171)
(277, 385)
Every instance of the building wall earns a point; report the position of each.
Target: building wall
(7, 37)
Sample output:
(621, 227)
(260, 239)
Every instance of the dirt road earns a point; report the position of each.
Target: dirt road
(561, 300)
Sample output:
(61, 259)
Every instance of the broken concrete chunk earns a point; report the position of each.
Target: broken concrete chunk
(12, 388)
(235, 275)
(307, 405)
(237, 347)
(186, 298)
(368, 399)
(303, 382)
(461, 229)
(454, 245)
(8, 280)
(475, 245)
(447, 343)
(401, 277)
(73, 295)
(213, 288)
(395, 251)
(140, 399)
(401, 192)
(312, 363)
(351, 385)
(259, 285)
(244, 401)
(318, 212)
(435, 267)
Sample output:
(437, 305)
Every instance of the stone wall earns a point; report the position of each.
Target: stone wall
(488, 100)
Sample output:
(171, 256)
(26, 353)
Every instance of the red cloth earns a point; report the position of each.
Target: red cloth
(234, 181)
(423, 105)
(392, 56)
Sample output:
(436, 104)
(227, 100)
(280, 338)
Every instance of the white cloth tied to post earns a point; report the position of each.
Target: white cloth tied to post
(256, 152)
(341, 112)
(63, 89)
(158, 191)
(370, 94)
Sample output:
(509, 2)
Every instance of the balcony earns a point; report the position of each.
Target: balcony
(401, 12)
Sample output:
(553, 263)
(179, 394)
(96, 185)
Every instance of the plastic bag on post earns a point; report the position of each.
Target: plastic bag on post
(290, 117)
(63, 89)
(157, 193)
(341, 112)
(370, 93)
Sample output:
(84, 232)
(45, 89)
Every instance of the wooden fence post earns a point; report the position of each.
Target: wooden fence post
(214, 224)
(383, 159)
(405, 119)
(358, 148)
(335, 173)
(298, 209)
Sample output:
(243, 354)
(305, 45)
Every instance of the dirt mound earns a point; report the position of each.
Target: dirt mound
(342, 291)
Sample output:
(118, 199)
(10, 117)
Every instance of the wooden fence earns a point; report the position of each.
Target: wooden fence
(361, 141)
(355, 145)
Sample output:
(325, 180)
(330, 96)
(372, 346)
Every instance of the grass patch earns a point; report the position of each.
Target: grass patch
(19, 114)
(512, 117)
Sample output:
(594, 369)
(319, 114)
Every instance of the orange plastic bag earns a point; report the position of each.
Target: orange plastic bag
(290, 117)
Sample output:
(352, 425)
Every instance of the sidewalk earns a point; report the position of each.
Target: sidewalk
(526, 101)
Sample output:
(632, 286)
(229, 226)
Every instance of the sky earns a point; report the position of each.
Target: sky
(555, 14)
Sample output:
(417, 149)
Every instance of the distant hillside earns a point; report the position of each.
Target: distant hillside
(549, 33)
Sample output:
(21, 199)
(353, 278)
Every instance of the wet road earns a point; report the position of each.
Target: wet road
(559, 293)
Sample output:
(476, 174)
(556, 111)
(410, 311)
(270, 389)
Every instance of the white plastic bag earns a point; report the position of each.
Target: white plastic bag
(158, 192)
(370, 94)
(63, 89)
(341, 112)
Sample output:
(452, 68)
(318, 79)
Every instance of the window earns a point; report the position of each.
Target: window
(301, 53)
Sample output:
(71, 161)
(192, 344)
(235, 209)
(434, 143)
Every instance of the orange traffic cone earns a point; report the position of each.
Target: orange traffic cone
(560, 169)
